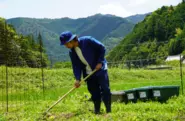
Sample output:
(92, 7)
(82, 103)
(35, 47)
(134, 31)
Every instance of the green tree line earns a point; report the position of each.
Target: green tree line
(19, 50)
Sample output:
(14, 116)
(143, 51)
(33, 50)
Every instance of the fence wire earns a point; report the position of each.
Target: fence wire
(21, 86)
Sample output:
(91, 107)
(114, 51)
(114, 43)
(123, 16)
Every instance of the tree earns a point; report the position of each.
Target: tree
(43, 56)
(177, 44)
(19, 50)
(40, 42)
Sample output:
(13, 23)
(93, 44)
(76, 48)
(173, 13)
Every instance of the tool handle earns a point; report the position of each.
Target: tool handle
(88, 76)
(60, 99)
(69, 92)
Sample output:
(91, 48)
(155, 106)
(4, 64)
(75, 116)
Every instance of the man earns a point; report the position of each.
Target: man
(87, 54)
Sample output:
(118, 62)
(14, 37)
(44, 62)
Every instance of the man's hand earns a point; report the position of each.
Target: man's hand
(77, 83)
(98, 66)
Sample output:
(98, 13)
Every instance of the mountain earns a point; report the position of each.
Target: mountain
(160, 34)
(108, 29)
(137, 18)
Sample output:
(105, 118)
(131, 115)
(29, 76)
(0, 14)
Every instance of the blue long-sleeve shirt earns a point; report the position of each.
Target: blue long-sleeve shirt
(92, 50)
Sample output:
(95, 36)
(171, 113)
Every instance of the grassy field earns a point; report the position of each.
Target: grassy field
(26, 100)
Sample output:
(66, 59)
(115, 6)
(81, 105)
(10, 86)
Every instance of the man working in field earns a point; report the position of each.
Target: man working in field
(87, 54)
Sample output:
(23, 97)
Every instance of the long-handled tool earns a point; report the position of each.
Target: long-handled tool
(67, 93)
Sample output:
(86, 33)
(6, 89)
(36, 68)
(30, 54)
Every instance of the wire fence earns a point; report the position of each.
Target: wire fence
(20, 85)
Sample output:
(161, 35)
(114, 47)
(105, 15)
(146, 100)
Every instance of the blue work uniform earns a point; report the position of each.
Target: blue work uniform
(98, 84)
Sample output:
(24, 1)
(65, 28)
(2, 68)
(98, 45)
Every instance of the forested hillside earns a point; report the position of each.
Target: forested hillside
(160, 34)
(19, 50)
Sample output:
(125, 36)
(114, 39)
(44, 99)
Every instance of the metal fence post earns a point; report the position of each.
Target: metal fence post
(182, 86)
(6, 87)
(6, 59)
(42, 69)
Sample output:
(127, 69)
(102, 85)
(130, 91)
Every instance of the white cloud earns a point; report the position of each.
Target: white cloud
(145, 6)
(114, 9)
(134, 3)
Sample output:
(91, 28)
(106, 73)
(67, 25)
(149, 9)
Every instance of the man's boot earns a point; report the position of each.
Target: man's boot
(108, 106)
(97, 105)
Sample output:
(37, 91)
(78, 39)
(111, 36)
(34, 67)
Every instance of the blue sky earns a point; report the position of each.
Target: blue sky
(78, 8)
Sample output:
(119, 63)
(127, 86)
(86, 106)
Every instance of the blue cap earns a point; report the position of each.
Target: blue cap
(65, 37)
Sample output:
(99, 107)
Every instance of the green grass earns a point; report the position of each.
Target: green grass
(26, 101)
(75, 108)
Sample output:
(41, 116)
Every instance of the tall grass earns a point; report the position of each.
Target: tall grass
(27, 101)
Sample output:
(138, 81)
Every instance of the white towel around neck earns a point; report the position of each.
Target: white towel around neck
(81, 57)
